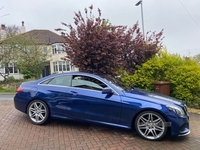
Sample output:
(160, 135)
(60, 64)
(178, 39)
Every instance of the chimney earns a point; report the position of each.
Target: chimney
(23, 28)
(3, 27)
(3, 32)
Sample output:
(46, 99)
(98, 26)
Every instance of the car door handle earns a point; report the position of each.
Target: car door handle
(74, 93)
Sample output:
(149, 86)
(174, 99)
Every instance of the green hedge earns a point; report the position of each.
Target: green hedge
(183, 73)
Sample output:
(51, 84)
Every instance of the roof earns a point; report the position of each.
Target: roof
(45, 36)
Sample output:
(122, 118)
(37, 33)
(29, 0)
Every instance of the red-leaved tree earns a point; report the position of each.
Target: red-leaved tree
(96, 46)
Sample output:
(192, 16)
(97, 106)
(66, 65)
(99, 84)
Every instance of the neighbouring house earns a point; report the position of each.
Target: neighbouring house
(52, 42)
(48, 41)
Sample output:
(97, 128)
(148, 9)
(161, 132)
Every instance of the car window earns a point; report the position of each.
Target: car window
(46, 81)
(114, 81)
(61, 80)
(87, 83)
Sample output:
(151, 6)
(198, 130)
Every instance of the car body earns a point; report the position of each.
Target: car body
(100, 99)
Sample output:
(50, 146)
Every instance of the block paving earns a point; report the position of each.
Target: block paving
(18, 133)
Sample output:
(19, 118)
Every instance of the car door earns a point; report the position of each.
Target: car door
(87, 102)
(56, 94)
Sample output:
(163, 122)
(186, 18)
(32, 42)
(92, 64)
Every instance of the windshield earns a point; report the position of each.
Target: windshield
(114, 81)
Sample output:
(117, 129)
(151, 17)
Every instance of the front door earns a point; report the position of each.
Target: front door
(87, 102)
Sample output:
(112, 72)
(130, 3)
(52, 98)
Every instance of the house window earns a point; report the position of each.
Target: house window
(62, 66)
(72, 68)
(1, 69)
(45, 49)
(58, 49)
(11, 68)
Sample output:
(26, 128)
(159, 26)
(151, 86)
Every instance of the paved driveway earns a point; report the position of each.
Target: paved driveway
(17, 133)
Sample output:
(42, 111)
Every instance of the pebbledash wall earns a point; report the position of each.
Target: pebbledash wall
(15, 75)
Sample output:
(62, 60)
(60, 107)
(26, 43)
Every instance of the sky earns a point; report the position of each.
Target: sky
(180, 19)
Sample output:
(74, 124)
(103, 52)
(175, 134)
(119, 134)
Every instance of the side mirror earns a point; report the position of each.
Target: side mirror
(107, 91)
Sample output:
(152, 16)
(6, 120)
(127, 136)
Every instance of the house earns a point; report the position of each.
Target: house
(50, 42)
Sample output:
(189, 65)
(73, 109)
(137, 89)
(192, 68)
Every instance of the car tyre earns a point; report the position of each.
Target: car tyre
(151, 125)
(38, 112)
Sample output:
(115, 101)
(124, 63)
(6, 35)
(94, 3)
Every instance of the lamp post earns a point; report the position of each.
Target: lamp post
(137, 4)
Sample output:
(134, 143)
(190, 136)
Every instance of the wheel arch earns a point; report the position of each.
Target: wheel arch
(147, 109)
(40, 100)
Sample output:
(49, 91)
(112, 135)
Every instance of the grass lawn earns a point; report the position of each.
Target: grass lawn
(2, 90)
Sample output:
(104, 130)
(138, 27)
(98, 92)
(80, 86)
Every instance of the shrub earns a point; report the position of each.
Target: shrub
(184, 75)
(10, 79)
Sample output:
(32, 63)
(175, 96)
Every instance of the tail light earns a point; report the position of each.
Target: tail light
(19, 89)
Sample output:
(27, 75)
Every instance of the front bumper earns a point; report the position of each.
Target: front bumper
(180, 126)
(185, 133)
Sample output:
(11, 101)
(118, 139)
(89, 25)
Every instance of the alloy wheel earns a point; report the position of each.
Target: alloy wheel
(150, 125)
(38, 112)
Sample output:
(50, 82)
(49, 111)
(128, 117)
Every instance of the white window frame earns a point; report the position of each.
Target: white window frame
(63, 66)
(58, 49)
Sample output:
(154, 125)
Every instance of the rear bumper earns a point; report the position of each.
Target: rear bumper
(20, 103)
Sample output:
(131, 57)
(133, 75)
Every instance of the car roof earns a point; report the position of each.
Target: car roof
(68, 73)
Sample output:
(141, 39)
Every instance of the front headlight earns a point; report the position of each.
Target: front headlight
(176, 110)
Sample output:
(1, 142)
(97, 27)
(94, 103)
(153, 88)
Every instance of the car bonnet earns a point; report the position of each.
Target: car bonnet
(151, 96)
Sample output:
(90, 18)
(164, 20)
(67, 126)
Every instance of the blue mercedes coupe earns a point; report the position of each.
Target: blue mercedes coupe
(101, 99)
